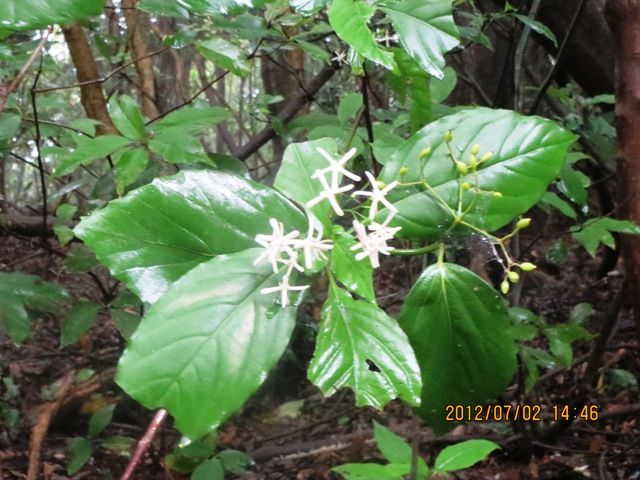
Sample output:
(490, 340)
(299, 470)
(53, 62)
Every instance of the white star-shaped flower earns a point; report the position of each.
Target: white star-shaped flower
(329, 192)
(284, 288)
(340, 57)
(387, 39)
(374, 243)
(336, 167)
(314, 246)
(378, 195)
(276, 244)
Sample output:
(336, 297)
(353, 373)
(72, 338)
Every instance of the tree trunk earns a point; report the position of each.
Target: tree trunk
(623, 17)
(87, 72)
(284, 76)
(135, 21)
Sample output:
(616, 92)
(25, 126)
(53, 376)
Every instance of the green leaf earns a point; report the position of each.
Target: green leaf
(371, 471)
(191, 120)
(209, 470)
(127, 117)
(573, 183)
(90, 150)
(299, 162)
(426, 30)
(78, 322)
(187, 455)
(101, 420)
(63, 233)
(598, 230)
(349, 106)
(225, 54)
(235, 461)
(208, 343)
(360, 347)
(176, 146)
(394, 448)
(79, 454)
(538, 27)
(20, 15)
(457, 325)
(349, 20)
(129, 166)
(553, 200)
(581, 313)
(357, 276)
(65, 212)
(125, 322)
(118, 444)
(23, 295)
(157, 233)
(528, 155)
(184, 7)
(463, 455)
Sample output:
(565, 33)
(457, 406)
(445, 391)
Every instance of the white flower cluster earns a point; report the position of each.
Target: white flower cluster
(373, 242)
(284, 249)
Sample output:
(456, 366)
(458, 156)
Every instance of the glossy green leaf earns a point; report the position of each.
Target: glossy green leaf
(356, 275)
(33, 14)
(225, 54)
(528, 153)
(191, 120)
(23, 295)
(65, 212)
(550, 199)
(127, 117)
(157, 233)
(598, 230)
(426, 30)
(360, 347)
(370, 471)
(349, 20)
(129, 166)
(208, 343)
(80, 450)
(101, 420)
(78, 322)
(349, 106)
(209, 470)
(299, 162)
(457, 325)
(463, 455)
(90, 150)
(63, 233)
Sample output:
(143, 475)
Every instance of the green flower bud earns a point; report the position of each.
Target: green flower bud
(504, 287)
(381, 184)
(523, 223)
(496, 194)
(403, 171)
(513, 276)
(473, 162)
(466, 186)
(527, 267)
(475, 149)
(425, 152)
(462, 167)
(486, 157)
(448, 136)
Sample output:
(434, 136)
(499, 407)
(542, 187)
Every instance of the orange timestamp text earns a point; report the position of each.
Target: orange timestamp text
(520, 412)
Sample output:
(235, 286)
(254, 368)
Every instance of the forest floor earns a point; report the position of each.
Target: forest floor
(289, 429)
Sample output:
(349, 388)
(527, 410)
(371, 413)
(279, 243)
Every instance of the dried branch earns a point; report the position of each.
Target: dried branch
(143, 443)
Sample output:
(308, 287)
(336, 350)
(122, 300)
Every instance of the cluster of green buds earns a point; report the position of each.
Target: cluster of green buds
(512, 276)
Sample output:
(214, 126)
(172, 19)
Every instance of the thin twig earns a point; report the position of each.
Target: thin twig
(103, 79)
(561, 52)
(4, 95)
(144, 442)
(43, 182)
